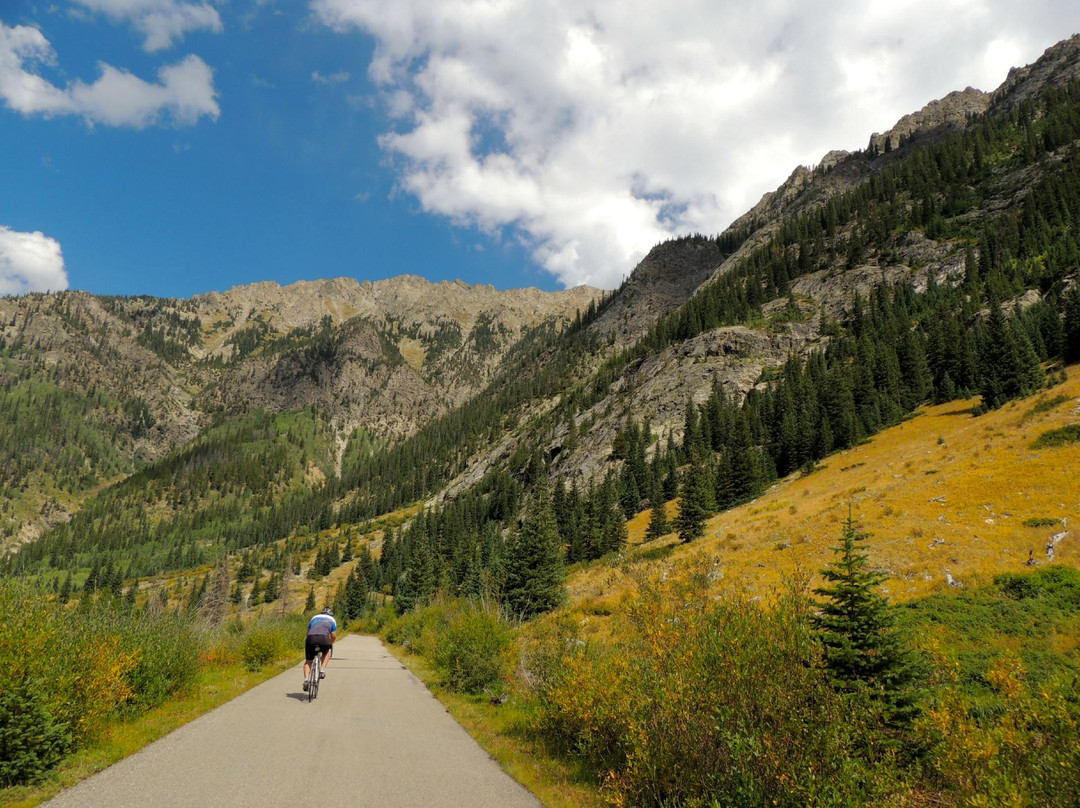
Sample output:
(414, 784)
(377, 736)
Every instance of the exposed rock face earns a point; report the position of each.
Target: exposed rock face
(938, 117)
(665, 279)
(1058, 65)
(400, 351)
(660, 385)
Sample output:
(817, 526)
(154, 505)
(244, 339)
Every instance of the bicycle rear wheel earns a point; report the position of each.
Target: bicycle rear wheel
(316, 667)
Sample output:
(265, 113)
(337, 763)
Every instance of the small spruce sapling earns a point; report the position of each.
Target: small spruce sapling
(863, 648)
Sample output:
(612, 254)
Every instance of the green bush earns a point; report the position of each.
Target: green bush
(271, 639)
(1024, 752)
(165, 647)
(87, 677)
(1057, 437)
(463, 640)
(469, 650)
(31, 740)
(418, 630)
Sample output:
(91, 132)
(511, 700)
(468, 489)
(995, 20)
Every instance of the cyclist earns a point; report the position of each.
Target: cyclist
(321, 631)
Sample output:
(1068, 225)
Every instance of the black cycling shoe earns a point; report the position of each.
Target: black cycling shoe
(322, 674)
(305, 685)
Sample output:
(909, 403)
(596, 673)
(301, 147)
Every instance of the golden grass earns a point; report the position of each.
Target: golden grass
(942, 494)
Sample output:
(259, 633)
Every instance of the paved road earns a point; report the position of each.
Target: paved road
(374, 737)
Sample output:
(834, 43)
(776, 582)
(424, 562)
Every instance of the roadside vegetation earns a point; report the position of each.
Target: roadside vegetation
(686, 697)
(70, 675)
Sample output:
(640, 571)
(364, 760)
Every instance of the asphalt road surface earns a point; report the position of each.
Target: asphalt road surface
(374, 737)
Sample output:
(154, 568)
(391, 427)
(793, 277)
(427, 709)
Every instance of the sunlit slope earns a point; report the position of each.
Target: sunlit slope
(944, 495)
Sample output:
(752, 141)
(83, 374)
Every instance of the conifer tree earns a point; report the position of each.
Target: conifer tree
(309, 604)
(695, 506)
(1008, 366)
(65, 590)
(535, 575)
(863, 649)
(1072, 326)
(658, 521)
(356, 594)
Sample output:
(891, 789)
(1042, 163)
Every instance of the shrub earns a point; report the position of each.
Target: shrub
(31, 740)
(469, 650)
(271, 639)
(88, 668)
(1057, 437)
(1027, 752)
(696, 701)
(168, 657)
(164, 648)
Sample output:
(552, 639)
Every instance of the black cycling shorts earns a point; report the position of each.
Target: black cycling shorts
(321, 640)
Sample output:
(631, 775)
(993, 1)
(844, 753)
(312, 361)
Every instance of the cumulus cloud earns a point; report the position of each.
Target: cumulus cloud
(184, 91)
(592, 129)
(30, 262)
(160, 21)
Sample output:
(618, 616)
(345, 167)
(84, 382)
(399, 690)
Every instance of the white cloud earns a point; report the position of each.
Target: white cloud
(333, 78)
(30, 262)
(160, 21)
(594, 128)
(184, 91)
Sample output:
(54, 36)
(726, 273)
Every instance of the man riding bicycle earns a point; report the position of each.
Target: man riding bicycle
(321, 631)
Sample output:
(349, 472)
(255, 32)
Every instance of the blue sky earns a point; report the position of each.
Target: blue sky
(172, 147)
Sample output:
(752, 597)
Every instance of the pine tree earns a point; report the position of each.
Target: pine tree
(65, 590)
(356, 593)
(1072, 325)
(658, 521)
(535, 575)
(695, 506)
(863, 649)
(1008, 366)
(309, 604)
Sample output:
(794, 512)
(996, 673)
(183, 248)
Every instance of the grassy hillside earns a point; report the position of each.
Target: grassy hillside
(945, 493)
(690, 673)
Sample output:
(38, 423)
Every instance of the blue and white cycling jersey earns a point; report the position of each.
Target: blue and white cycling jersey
(322, 624)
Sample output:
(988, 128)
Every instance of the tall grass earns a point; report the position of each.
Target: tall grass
(65, 672)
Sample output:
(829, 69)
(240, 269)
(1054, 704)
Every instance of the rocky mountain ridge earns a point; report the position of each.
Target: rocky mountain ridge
(385, 357)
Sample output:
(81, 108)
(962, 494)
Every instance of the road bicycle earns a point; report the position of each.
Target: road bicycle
(315, 675)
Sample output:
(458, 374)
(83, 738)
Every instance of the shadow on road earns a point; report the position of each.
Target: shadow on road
(297, 696)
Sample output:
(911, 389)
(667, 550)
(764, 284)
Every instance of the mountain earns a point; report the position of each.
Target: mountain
(94, 388)
(938, 262)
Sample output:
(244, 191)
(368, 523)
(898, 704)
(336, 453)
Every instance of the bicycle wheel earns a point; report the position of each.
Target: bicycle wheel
(316, 667)
(313, 677)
